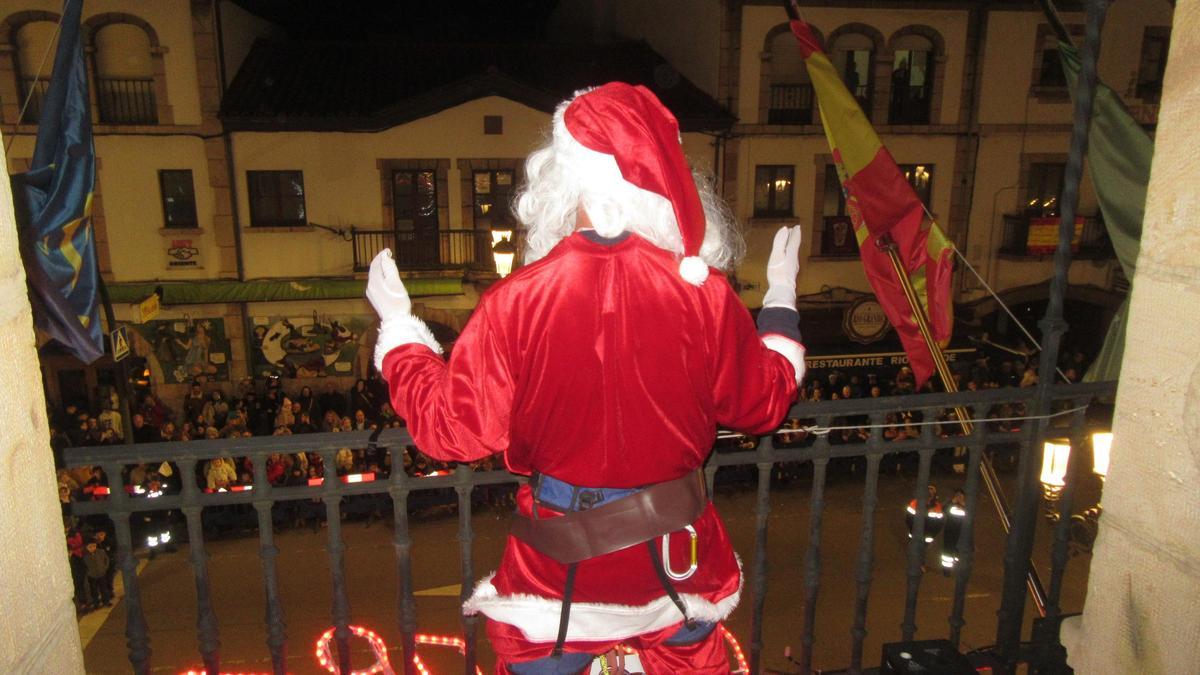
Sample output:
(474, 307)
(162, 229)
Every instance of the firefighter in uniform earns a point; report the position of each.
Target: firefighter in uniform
(956, 515)
(934, 517)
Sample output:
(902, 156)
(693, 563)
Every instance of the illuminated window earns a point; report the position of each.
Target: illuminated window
(1045, 186)
(773, 191)
(493, 192)
(920, 177)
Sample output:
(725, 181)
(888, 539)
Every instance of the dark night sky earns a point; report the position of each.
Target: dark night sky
(416, 20)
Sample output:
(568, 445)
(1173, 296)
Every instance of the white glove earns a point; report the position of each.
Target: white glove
(782, 268)
(385, 291)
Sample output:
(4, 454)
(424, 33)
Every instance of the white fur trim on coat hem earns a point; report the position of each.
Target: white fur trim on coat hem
(790, 349)
(402, 330)
(537, 617)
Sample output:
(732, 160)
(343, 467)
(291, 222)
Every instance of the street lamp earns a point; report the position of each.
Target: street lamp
(503, 251)
(1101, 445)
(1055, 454)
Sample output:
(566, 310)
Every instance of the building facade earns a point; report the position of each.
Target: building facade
(249, 177)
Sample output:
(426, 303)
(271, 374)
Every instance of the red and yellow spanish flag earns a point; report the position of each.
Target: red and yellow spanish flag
(881, 203)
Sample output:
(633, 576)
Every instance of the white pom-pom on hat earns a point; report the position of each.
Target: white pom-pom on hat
(693, 269)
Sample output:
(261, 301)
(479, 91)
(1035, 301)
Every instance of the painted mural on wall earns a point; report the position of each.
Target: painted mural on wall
(309, 346)
(182, 350)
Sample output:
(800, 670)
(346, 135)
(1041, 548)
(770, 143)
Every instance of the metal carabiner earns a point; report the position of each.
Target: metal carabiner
(666, 555)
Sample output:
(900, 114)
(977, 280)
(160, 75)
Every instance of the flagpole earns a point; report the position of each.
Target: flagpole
(990, 480)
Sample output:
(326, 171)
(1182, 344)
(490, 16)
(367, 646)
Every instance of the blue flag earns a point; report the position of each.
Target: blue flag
(55, 204)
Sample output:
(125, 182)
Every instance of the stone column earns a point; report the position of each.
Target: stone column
(40, 633)
(1143, 605)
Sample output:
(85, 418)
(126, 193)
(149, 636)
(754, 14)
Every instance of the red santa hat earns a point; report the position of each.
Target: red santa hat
(632, 126)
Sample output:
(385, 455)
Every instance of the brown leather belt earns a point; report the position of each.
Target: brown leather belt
(659, 509)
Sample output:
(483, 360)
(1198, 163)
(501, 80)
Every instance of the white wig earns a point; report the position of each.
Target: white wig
(563, 175)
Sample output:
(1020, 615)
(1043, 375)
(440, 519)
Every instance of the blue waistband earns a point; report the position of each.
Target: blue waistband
(562, 496)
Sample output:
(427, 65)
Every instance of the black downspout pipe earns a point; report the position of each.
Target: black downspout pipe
(1020, 543)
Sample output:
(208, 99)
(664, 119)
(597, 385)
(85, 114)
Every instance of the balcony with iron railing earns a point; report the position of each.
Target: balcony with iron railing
(1034, 237)
(840, 563)
(126, 101)
(33, 90)
(791, 104)
(432, 250)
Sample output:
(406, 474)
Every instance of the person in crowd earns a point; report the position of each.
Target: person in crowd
(361, 397)
(220, 473)
(75, 553)
(332, 401)
(96, 564)
(193, 405)
(142, 431)
(360, 422)
(304, 424)
(307, 402)
(933, 515)
(956, 517)
(285, 417)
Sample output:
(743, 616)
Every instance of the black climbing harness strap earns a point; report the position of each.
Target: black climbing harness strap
(564, 617)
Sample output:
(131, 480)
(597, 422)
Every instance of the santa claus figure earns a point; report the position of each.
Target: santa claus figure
(602, 369)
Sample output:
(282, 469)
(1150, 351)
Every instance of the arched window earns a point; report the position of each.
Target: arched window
(853, 56)
(789, 91)
(35, 44)
(124, 75)
(912, 80)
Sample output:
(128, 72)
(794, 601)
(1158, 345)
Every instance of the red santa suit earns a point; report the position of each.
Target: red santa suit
(600, 366)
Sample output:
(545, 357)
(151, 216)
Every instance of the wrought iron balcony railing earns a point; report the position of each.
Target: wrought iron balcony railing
(791, 104)
(813, 450)
(126, 101)
(433, 249)
(35, 90)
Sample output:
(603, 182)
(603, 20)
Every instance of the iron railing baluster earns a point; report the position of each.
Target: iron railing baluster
(337, 565)
(402, 543)
(966, 538)
(463, 485)
(206, 618)
(916, 545)
(758, 582)
(137, 632)
(812, 564)
(866, 547)
(267, 553)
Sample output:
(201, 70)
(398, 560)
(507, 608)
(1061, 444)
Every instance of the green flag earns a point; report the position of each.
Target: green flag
(1119, 154)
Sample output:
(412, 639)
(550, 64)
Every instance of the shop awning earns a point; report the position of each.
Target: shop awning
(220, 291)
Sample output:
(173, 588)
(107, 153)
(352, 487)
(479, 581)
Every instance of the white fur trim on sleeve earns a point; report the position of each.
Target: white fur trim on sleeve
(789, 349)
(537, 617)
(402, 330)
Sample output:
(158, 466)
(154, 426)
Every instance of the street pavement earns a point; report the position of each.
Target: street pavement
(168, 590)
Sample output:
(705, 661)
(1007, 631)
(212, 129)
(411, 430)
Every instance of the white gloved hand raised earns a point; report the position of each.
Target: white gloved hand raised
(782, 268)
(385, 290)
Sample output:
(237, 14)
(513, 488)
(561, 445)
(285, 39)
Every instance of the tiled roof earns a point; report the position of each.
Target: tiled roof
(368, 86)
